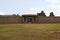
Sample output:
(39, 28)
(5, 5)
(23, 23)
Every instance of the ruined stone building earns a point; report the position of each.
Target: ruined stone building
(29, 18)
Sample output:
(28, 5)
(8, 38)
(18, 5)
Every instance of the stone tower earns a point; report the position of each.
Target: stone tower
(42, 14)
(51, 14)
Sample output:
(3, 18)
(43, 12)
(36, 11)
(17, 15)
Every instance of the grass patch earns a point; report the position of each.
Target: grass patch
(27, 31)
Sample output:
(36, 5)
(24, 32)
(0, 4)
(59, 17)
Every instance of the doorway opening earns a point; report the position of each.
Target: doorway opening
(29, 19)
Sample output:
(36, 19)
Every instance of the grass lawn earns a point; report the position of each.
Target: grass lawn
(29, 31)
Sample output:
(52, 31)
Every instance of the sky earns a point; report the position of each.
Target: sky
(9, 7)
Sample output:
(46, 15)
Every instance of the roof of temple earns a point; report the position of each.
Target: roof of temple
(29, 15)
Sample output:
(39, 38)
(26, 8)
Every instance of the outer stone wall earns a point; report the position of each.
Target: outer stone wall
(10, 19)
(19, 20)
(48, 19)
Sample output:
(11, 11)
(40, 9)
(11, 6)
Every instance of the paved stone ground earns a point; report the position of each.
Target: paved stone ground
(55, 35)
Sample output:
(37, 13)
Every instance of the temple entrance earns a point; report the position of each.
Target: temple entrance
(29, 18)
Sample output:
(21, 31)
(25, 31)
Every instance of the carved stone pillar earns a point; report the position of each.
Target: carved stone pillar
(23, 19)
(26, 19)
(32, 19)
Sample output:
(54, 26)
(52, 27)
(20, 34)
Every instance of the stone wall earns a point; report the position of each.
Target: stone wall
(48, 19)
(19, 20)
(10, 19)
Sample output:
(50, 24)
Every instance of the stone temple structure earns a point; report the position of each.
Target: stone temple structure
(29, 18)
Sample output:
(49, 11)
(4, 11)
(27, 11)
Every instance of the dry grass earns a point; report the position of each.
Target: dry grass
(29, 31)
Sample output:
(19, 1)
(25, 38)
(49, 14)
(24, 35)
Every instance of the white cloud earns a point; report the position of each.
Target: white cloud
(1, 13)
(53, 1)
(34, 8)
(27, 13)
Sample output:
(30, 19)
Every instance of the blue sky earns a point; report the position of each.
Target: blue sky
(9, 7)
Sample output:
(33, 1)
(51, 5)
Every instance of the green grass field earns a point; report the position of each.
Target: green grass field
(29, 31)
